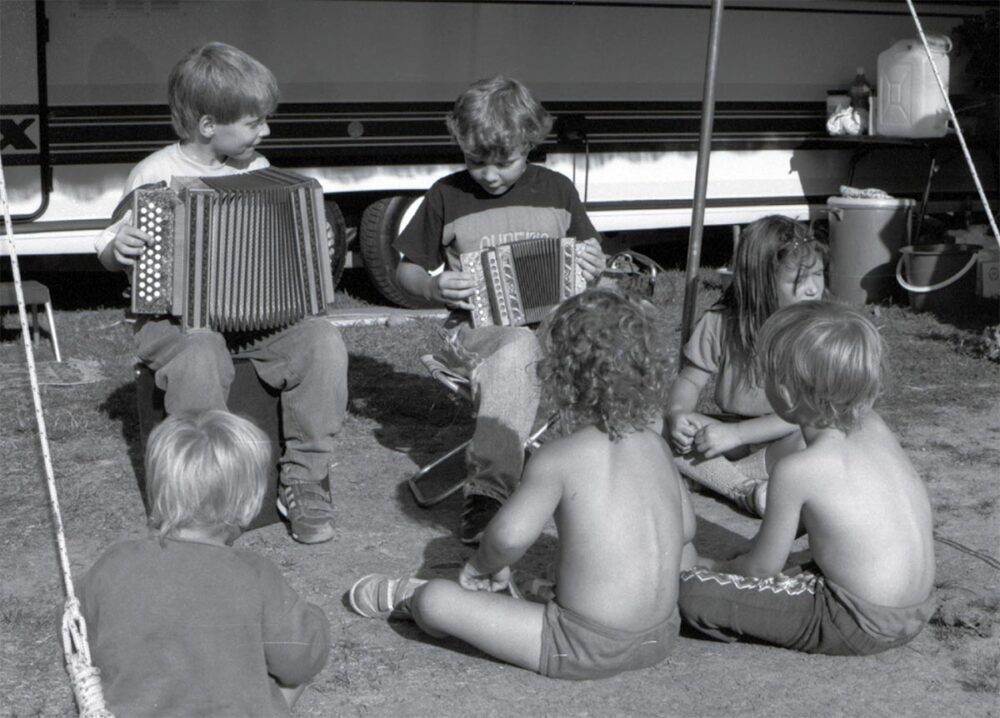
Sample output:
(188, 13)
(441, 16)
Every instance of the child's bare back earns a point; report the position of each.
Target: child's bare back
(867, 514)
(866, 511)
(623, 516)
(623, 520)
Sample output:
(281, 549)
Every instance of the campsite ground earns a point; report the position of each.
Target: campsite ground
(942, 402)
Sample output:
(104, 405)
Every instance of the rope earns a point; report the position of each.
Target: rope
(954, 120)
(984, 557)
(84, 677)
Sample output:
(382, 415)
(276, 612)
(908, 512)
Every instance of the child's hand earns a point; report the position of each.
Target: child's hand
(717, 438)
(682, 427)
(129, 242)
(472, 580)
(453, 289)
(591, 258)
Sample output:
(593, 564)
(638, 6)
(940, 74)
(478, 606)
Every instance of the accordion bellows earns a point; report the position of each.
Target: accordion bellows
(244, 252)
(520, 282)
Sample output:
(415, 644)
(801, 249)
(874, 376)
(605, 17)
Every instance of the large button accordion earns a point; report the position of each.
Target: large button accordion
(520, 282)
(243, 252)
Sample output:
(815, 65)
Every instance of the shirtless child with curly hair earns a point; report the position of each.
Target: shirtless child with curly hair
(623, 516)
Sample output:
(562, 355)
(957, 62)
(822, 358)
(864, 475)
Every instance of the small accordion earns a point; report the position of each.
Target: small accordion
(242, 252)
(520, 282)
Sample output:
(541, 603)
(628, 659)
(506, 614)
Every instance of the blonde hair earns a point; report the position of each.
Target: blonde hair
(221, 81)
(208, 469)
(497, 117)
(828, 358)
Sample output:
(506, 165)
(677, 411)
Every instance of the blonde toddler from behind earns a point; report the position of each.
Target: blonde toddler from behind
(183, 623)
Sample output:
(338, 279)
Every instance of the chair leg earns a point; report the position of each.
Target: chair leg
(427, 501)
(52, 330)
(35, 329)
(533, 441)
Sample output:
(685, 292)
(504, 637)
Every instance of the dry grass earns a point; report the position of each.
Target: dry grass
(943, 402)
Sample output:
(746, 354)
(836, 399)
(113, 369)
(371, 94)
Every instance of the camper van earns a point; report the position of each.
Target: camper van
(365, 87)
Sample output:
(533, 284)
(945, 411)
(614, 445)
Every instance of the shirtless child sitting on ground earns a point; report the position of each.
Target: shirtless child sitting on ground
(863, 505)
(623, 516)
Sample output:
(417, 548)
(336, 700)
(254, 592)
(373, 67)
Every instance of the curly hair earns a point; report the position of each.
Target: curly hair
(829, 360)
(606, 362)
(497, 117)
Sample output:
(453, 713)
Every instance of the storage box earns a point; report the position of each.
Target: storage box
(988, 273)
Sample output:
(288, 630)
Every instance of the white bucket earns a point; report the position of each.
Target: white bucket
(910, 103)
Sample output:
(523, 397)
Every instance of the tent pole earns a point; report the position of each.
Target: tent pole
(701, 174)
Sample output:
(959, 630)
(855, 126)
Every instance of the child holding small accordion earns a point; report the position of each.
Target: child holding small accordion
(498, 199)
(220, 99)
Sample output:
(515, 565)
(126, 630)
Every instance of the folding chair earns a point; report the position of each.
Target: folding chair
(35, 294)
(459, 384)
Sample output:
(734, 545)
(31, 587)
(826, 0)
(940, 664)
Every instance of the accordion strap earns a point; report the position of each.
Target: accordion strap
(632, 272)
(635, 263)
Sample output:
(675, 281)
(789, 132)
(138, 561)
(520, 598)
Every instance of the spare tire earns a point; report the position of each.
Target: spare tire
(381, 223)
(336, 240)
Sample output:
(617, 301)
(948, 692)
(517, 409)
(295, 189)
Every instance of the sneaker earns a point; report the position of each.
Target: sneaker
(537, 589)
(307, 506)
(378, 596)
(752, 497)
(477, 512)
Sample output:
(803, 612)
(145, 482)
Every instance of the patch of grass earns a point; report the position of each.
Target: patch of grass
(93, 433)
(980, 669)
(967, 611)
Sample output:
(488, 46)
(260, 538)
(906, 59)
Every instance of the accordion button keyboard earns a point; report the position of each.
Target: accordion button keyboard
(155, 218)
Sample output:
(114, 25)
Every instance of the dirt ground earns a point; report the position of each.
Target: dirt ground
(943, 403)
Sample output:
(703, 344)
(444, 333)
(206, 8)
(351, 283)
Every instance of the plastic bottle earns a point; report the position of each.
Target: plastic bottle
(861, 91)
(861, 94)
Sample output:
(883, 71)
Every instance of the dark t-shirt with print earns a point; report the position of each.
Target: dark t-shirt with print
(457, 215)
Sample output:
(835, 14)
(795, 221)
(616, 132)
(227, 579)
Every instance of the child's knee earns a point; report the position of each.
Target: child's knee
(206, 346)
(519, 350)
(323, 340)
(205, 351)
(525, 341)
(430, 605)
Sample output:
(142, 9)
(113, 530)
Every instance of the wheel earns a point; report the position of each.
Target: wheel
(380, 225)
(336, 240)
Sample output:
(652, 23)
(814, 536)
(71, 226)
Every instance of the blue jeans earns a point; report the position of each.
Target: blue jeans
(500, 362)
(305, 361)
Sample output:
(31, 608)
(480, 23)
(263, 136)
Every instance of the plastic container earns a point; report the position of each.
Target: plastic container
(940, 278)
(865, 238)
(909, 99)
(988, 274)
(836, 100)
